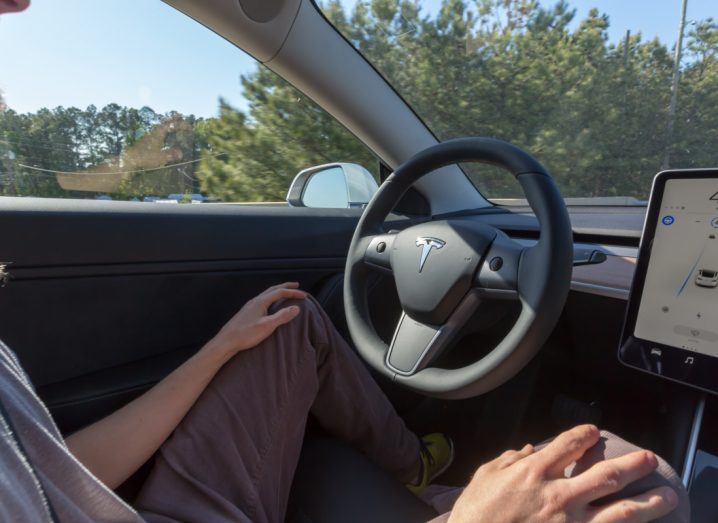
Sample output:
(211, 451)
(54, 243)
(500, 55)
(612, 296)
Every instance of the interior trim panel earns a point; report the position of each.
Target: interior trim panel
(54, 232)
(611, 278)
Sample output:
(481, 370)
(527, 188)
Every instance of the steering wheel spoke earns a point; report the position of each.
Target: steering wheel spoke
(415, 344)
(378, 252)
(498, 276)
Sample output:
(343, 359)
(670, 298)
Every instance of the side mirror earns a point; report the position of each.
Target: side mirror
(332, 186)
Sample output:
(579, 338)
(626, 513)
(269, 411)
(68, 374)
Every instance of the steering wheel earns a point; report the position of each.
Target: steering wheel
(444, 269)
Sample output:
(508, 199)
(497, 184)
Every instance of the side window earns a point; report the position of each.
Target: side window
(156, 109)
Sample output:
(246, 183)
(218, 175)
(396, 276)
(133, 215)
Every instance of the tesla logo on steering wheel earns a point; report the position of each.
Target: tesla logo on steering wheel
(427, 243)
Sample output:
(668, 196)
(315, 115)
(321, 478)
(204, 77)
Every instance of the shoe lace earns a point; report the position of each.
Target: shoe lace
(426, 452)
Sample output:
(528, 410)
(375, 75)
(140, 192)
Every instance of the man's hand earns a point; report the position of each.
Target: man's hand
(528, 485)
(13, 6)
(252, 324)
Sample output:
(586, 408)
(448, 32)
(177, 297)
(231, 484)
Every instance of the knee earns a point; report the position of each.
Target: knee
(308, 307)
(611, 446)
(311, 324)
(310, 320)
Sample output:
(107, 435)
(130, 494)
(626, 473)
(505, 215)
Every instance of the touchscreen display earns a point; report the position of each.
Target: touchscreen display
(679, 304)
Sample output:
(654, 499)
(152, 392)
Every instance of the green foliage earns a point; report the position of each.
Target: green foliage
(593, 111)
(69, 152)
(254, 156)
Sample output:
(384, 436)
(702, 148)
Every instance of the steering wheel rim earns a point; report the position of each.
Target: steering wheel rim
(538, 276)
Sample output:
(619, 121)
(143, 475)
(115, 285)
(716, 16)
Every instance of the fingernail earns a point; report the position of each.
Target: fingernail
(592, 430)
(652, 459)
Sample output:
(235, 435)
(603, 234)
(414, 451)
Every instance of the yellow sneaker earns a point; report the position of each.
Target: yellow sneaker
(437, 454)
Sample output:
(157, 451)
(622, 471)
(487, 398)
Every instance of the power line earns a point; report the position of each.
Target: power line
(4, 175)
(168, 166)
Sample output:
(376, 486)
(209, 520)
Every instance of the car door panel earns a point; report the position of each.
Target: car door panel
(53, 232)
(105, 298)
(89, 323)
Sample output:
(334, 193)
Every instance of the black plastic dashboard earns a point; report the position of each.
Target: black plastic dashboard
(615, 225)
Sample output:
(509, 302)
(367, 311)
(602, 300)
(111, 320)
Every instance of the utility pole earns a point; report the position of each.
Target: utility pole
(626, 45)
(674, 86)
(10, 165)
(7, 160)
(7, 157)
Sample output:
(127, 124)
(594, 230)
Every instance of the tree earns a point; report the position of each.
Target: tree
(70, 152)
(697, 119)
(255, 156)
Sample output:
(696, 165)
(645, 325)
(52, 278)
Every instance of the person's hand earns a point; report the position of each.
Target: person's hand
(528, 485)
(13, 6)
(252, 324)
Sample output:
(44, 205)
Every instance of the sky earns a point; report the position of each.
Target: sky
(143, 52)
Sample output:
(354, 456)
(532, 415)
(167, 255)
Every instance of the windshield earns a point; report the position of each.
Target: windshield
(597, 90)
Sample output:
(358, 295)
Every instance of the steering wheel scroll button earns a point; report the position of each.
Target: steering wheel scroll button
(378, 251)
(500, 269)
(496, 263)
